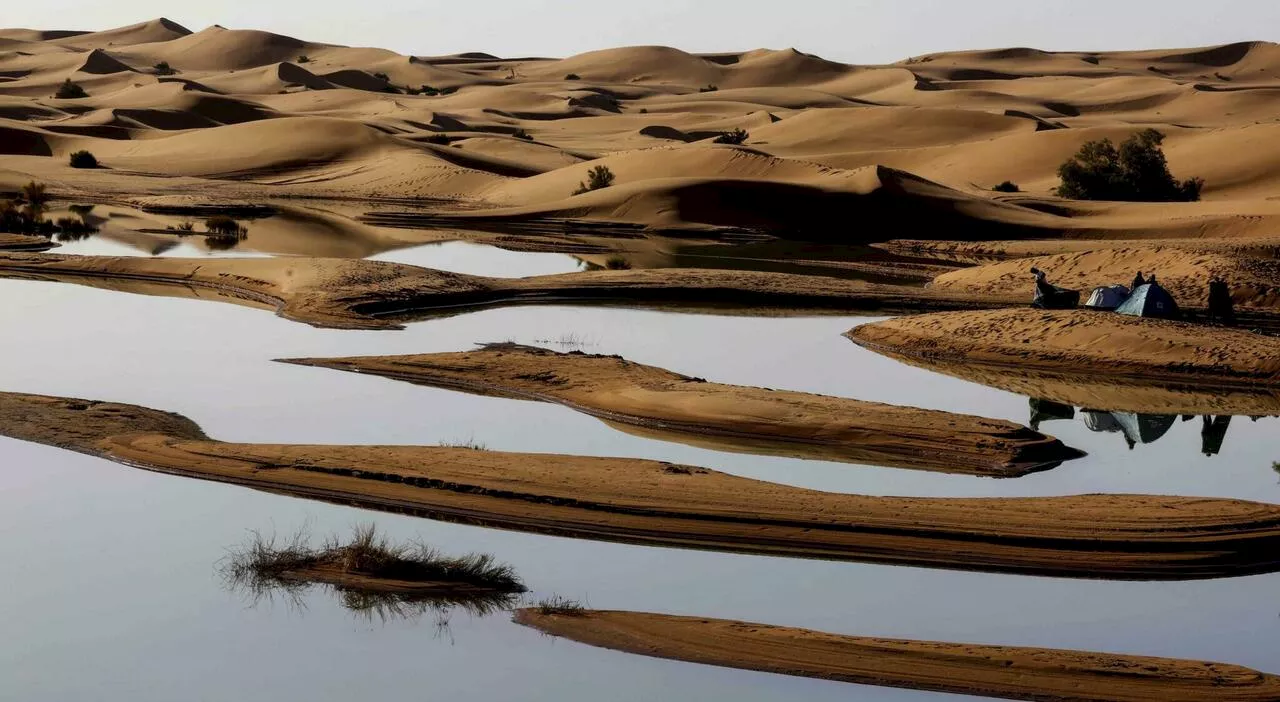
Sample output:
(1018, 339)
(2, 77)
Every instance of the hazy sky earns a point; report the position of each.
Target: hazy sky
(860, 31)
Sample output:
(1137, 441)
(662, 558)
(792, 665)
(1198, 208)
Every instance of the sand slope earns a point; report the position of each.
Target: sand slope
(1004, 672)
(729, 417)
(650, 502)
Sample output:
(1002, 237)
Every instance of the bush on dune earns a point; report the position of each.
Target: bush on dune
(1137, 171)
(164, 69)
(83, 159)
(1007, 187)
(737, 136)
(598, 178)
(70, 91)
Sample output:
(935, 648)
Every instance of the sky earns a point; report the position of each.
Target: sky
(854, 31)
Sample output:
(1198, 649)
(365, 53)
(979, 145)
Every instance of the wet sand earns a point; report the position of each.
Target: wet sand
(1005, 672)
(1083, 342)
(734, 418)
(358, 294)
(661, 504)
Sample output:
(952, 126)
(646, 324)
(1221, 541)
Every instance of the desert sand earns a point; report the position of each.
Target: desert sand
(1006, 672)
(729, 417)
(1083, 342)
(855, 152)
(360, 294)
(650, 502)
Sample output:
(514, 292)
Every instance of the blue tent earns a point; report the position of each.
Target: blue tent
(1150, 300)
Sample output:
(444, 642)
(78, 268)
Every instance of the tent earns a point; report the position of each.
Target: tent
(1150, 300)
(1144, 428)
(1108, 298)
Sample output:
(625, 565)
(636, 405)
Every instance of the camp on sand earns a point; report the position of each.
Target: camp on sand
(1147, 299)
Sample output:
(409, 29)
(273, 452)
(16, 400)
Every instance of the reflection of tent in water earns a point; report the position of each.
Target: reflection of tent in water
(1150, 300)
(1137, 428)
(1048, 410)
(1108, 298)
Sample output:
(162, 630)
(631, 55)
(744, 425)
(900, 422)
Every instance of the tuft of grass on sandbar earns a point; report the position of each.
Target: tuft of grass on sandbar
(267, 565)
(558, 606)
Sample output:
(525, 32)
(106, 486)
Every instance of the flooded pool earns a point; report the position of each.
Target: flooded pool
(112, 589)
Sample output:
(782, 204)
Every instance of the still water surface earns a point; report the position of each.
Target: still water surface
(111, 591)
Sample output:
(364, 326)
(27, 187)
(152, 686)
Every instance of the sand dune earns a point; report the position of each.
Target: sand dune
(650, 502)
(729, 417)
(1005, 672)
(962, 120)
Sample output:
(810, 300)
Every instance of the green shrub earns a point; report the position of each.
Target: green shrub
(1136, 172)
(164, 69)
(598, 178)
(83, 159)
(304, 59)
(1007, 187)
(70, 91)
(737, 136)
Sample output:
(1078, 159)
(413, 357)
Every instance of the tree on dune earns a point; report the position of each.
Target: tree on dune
(1135, 172)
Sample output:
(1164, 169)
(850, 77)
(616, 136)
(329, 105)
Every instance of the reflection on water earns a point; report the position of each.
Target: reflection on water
(1136, 428)
(85, 620)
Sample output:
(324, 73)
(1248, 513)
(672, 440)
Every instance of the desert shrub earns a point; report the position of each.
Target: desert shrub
(164, 69)
(709, 89)
(448, 91)
(224, 226)
(70, 91)
(617, 263)
(304, 59)
(441, 139)
(35, 194)
(560, 607)
(382, 77)
(573, 76)
(598, 178)
(522, 134)
(1007, 187)
(737, 136)
(83, 159)
(1135, 172)
(429, 91)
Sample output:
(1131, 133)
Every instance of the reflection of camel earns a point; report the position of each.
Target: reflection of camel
(1213, 433)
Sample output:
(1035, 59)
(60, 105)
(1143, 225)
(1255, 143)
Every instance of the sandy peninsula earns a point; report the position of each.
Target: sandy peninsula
(655, 503)
(359, 294)
(734, 418)
(1083, 342)
(1005, 672)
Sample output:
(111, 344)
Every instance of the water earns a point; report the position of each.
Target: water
(111, 590)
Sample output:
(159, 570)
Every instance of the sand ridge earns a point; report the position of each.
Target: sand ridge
(1006, 672)
(729, 417)
(650, 502)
